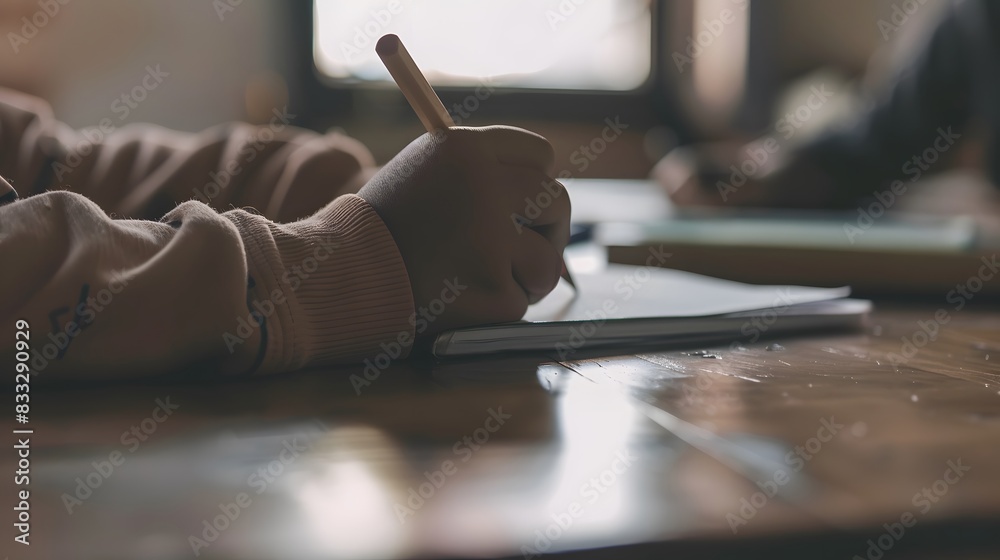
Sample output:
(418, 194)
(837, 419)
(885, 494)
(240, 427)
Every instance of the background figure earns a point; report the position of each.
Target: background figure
(944, 96)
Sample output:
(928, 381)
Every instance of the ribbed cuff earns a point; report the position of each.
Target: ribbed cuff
(337, 285)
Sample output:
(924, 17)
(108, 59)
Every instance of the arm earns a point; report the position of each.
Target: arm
(928, 107)
(143, 171)
(115, 298)
(112, 298)
(948, 87)
(436, 240)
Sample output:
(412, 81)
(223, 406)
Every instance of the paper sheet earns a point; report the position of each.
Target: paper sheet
(622, 291)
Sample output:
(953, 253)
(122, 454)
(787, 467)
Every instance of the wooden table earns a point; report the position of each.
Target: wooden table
(651, 454)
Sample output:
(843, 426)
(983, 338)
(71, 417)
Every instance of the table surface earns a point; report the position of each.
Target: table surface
(804, 447)
(842, 445)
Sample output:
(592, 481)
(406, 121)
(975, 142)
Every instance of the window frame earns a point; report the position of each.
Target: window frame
(324, 102)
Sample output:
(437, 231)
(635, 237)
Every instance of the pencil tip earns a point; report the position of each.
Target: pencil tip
(387, 44)
(568, 277)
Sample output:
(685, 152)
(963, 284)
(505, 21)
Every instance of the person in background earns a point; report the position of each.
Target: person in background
(243, 249)
(949, 91)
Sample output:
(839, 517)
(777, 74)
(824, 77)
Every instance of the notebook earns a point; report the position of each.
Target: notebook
(624, 304)
(876, 253)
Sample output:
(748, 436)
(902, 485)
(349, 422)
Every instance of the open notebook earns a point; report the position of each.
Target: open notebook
(638, 305)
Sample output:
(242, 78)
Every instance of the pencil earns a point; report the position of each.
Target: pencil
(420, 95)
(413, 84)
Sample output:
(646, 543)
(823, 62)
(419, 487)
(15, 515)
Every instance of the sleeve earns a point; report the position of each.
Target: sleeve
(143, 171)
(927, 106)
(197, 290)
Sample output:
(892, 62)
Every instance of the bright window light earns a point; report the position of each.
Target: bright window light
(721, 31)
(547, 44)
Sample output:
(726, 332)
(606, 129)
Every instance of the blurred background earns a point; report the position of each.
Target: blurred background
(674, 72)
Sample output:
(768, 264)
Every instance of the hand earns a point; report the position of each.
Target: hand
(476, 206)
(713, 175)
(730, 174)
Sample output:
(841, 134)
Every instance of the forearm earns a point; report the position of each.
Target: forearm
(143, 171)
(233, 292)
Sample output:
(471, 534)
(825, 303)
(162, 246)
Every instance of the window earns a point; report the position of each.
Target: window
(597, 45)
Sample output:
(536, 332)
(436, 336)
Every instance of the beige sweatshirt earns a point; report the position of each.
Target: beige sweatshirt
(119, 273)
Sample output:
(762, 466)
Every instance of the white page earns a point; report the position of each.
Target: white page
(622, 291)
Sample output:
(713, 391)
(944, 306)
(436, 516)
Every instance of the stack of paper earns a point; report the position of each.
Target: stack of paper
(640, 305)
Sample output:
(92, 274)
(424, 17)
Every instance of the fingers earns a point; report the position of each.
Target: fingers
(541, 202)
(519, 147)
(487, 307)
(535, 265)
